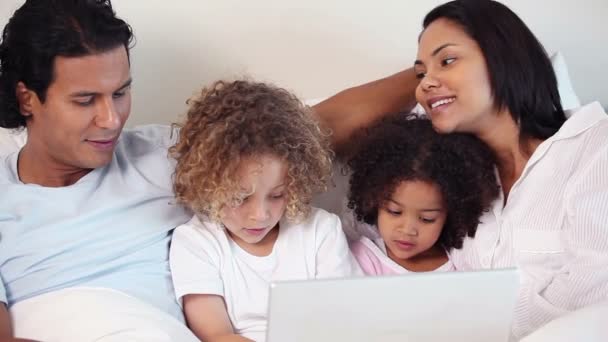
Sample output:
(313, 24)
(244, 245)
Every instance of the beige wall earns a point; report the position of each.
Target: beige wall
(318, 47)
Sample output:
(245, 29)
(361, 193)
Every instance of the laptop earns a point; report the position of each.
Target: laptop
(421, 307)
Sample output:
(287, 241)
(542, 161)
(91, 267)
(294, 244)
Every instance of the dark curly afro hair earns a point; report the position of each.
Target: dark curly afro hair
(404, 147)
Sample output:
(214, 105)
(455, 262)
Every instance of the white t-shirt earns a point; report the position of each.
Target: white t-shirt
(111, 229)
(204, 260)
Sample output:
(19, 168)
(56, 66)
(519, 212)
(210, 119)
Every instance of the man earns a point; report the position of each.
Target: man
(86, 211)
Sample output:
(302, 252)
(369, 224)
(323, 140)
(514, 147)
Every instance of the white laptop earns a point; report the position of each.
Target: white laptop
(421, 307)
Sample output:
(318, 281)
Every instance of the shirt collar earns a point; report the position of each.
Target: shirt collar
(581, 120)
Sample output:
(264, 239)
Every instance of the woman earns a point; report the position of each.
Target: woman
(482, 71)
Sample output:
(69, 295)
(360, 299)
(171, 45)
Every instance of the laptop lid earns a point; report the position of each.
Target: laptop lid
(435, 306)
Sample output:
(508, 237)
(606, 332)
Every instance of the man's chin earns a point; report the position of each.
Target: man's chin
(97, 162)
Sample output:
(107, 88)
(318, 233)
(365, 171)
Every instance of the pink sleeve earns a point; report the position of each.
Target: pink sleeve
(367, 260)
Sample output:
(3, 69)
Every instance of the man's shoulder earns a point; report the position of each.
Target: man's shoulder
(146, 139)
(156, 133)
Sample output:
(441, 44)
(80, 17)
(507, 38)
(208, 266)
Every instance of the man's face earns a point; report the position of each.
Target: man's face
(86, 107)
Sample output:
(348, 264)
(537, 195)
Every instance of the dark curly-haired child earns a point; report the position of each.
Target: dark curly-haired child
(249, 158)
(423, 191)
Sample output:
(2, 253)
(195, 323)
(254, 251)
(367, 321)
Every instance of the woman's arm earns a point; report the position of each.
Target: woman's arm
(208, 319)
(360, 106)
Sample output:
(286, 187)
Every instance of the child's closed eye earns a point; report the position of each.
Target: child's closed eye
(427, 220)
(393, 212)
(277, 196)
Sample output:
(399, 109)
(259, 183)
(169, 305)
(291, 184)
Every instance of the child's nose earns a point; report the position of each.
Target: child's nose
(412, 231)
(259, 213)
(408, 227)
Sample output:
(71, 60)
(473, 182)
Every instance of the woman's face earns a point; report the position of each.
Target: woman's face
(454, 84)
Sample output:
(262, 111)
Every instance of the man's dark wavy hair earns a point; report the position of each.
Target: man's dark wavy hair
(41, 30)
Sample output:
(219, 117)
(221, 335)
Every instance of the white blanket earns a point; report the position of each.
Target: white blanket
(589, 324)
(94, 314)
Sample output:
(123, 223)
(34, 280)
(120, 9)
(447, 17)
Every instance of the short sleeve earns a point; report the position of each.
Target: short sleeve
(195, 261)
(368, 262)
(333, 258)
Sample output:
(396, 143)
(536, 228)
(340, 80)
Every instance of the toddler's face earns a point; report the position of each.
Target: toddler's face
(410, 222)
(263, 180)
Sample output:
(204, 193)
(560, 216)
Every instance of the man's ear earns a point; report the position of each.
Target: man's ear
(26, 99)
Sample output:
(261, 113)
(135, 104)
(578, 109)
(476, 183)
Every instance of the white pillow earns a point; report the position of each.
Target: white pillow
(564, 85)
(11, 140)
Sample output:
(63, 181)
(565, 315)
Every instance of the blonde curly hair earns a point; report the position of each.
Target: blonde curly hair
(230, 121)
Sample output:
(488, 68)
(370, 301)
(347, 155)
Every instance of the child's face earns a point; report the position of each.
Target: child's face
(411, 221)
(264, 178)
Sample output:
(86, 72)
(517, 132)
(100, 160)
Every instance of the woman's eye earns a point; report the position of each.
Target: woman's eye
(448, 61)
